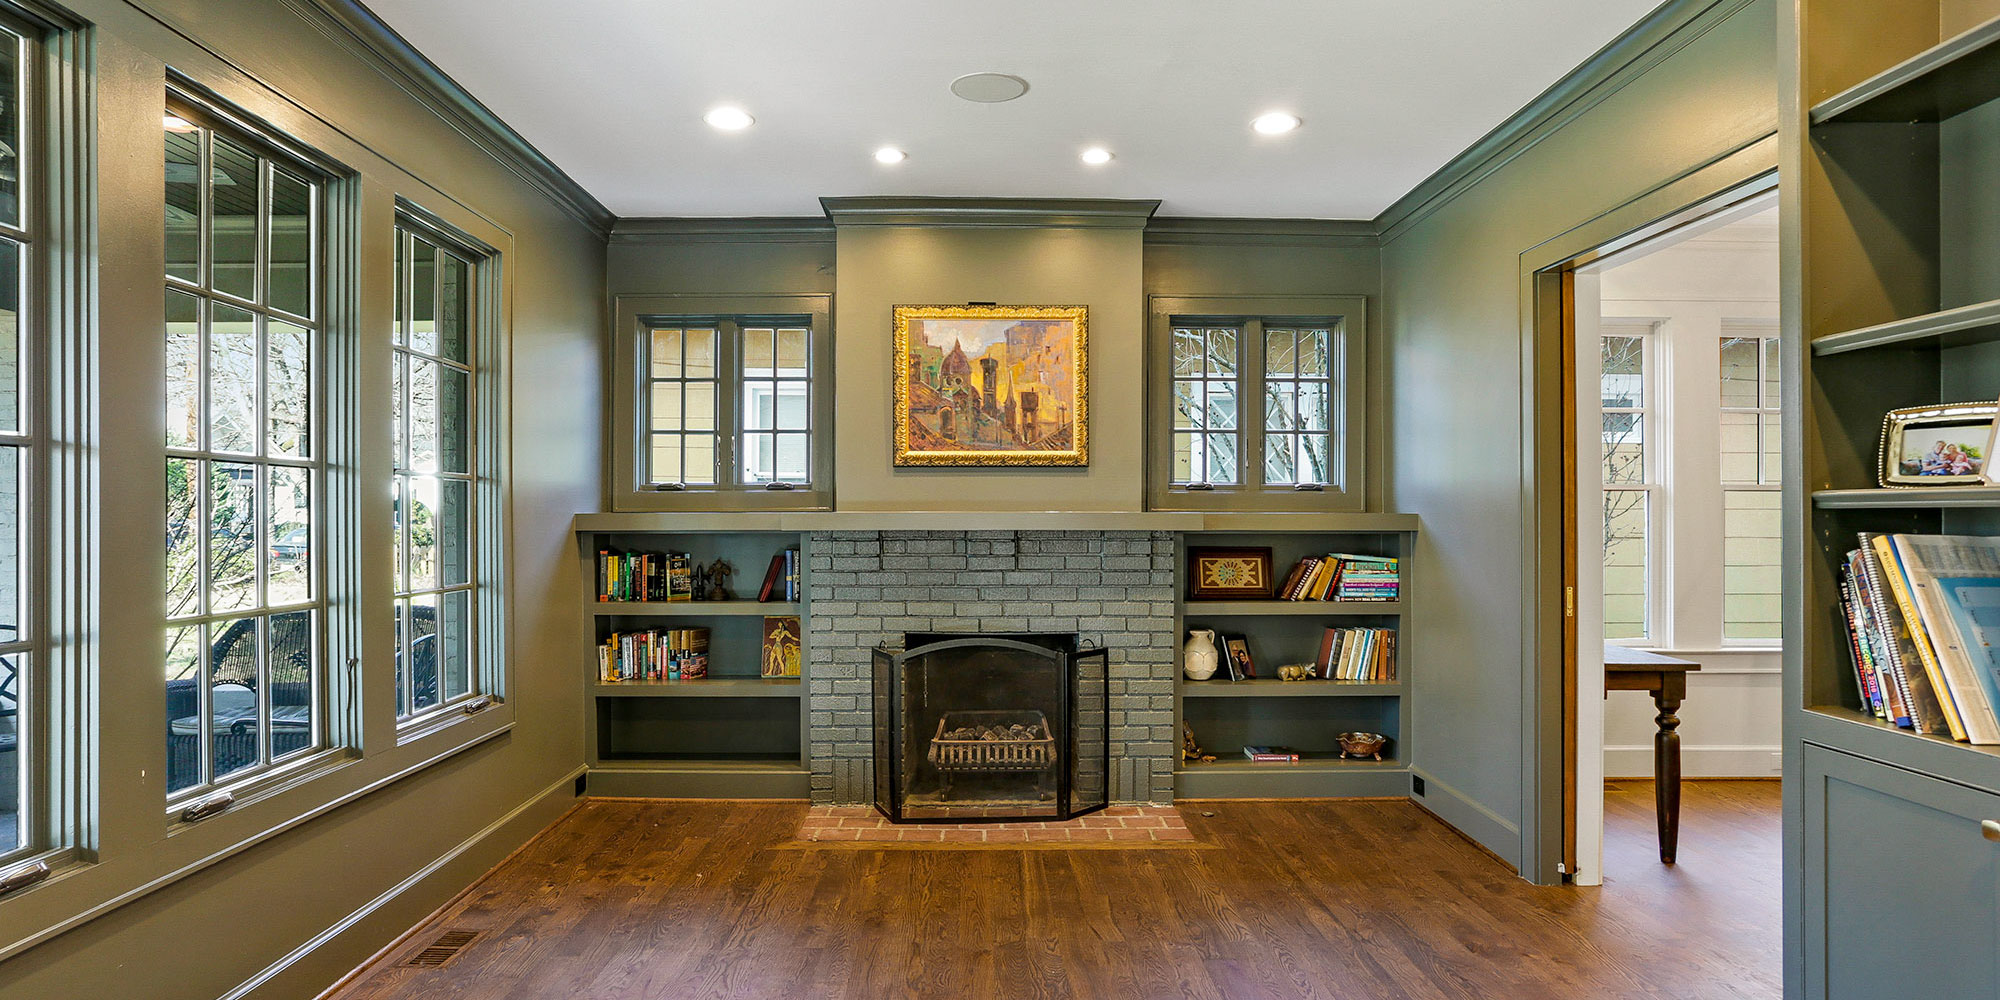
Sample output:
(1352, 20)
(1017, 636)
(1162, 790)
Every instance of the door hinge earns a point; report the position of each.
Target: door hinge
(1569, 602)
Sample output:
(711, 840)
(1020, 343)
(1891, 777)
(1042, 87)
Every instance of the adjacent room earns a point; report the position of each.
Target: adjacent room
(1435, 499)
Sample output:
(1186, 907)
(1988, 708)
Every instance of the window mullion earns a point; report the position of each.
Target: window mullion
(1250, 406)
(729, 402)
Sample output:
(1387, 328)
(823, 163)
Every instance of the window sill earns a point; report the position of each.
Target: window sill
(270, 784)
(1267, 500)
(447, 717)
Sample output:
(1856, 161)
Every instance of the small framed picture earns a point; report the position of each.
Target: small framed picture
(1229, 574)
(1937, 445)
(1236, 648)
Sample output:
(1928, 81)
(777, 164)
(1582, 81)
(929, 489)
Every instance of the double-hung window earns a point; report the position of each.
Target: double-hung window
(1257, 408)
(1628, 455)
(1751, 520)
(245, 468)
(443, 475)
(731, 409)
(25, 747)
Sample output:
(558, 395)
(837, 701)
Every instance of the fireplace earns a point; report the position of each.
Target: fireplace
(991, 726)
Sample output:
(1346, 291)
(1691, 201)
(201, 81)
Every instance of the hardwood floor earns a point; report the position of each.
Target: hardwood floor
(1359, 899)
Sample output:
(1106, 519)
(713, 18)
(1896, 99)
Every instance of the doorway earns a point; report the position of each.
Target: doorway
(1673, 521)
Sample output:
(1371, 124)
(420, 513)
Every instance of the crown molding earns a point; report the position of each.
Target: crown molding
(370, 38)
(991, 213)
(722, 230)
(1667, 30)
(1183, 231)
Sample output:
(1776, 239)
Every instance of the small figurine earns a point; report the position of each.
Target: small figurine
(1297, 671)
(1190, 750)
(719, 573)
(699, 592)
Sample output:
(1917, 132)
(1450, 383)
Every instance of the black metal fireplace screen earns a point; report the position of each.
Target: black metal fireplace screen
(989, 727)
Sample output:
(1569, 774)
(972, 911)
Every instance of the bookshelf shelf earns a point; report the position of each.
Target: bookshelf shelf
(1880, 499)
(1978, 323)
(1308, 609)
(706, 687)
(1324, 761)
(1269, 687)
(689, 609)
(1941, 82)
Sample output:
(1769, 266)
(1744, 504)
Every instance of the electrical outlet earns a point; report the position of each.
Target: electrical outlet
(1417, 785)
(580, 779)
(1777, 763)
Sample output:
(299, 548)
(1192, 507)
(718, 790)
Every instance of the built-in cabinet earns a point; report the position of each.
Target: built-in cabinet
(1893, 300)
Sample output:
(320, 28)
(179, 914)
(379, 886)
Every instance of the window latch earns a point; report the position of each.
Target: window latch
(666, 487)
(1309, 487)
(211, 806)
(478, 705)
(23, 877)
(781, 486)
(1199, 486)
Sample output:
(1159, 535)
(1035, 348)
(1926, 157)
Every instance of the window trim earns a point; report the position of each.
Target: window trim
(628, 431)
(487, 677)
(1656, 420)
(1764, 331)
(1345, 316)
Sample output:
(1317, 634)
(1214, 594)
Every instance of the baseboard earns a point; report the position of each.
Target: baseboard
(1696, 762)
(308, 969)
(1477, 823)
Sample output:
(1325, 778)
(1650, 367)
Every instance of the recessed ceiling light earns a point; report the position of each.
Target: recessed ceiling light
(989, 88)
(1096, 156)
(1275, 123)
(890, 154)
(175, 123)
(729, 119)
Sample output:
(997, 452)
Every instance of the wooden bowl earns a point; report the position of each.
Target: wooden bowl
(1361, 745)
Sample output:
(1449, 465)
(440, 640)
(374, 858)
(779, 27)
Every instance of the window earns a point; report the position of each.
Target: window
(245, 466)
(1629, 482)
(440, 430)
(1751, 520)
(731, 409)
(24, 649)
(1258, 411)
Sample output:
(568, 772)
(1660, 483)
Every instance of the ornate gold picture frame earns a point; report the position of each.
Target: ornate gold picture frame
(992, 385)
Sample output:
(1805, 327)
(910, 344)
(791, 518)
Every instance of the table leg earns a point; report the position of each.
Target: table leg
(1667, 767)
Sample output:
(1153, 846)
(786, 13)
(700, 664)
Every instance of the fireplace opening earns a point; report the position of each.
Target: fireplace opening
(990, 726)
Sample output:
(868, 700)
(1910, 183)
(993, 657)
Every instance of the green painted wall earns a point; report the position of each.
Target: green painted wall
(1458, 388)
(203, 935)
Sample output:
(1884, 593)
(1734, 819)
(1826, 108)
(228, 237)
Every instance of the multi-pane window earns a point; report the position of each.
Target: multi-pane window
(729, 403)
(1751, 519)
(1298, 393)
(1206, 374)
(1625, 451)
(436, 498)
(23, 623)
(245, 468)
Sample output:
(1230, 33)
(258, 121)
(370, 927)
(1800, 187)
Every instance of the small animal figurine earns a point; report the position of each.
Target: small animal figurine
(719, 573)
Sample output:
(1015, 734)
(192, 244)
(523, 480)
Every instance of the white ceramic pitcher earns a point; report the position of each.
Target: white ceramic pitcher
(1198, 657)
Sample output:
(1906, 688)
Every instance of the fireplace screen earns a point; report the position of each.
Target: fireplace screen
(984, 727)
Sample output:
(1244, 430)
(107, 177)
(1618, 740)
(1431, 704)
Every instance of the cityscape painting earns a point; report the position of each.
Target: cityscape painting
(991, 385)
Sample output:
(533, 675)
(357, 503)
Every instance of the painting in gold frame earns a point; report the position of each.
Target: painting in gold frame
(992, 385)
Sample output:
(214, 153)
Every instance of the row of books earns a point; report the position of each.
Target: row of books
(1342, 577)
(672, 654)
(644, 576)
(1358, 654)
(781, 578)
(1923, 626)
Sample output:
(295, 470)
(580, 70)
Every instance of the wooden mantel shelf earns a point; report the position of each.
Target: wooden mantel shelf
(1007, 520)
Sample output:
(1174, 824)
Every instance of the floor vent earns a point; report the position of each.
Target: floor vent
(443, 950)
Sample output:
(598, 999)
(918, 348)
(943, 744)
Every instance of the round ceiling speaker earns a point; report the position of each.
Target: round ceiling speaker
(989, 88)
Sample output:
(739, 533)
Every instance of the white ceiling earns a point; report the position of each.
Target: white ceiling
(613, 91)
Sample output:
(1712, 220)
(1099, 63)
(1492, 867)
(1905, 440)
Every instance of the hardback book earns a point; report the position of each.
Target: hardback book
(1271, 754)
(781, 646)
(680, 577)
(771, 575)
(1931, 565)
(1905, 600)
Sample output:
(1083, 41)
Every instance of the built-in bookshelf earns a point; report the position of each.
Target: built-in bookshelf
(1894, 301)
(1227, 715)
(731, 733)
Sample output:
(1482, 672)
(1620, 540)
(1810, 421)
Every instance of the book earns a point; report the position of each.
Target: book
(1271, 754)
(1928, 564)
(654, 655)
(1905, 601)
(781, 646)
(1974, 606)
(771, 575)
(1926, 711)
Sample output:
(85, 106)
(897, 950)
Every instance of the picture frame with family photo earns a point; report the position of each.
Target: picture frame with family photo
(1947, 445)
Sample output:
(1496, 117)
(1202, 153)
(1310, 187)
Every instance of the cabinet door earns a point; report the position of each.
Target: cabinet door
(1902, 890)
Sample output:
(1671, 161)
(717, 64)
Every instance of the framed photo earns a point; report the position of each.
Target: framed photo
(1937, 445)
(1236, 649)
(1229, 574)
(992, 385)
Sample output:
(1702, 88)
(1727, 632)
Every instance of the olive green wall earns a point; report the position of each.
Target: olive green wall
(332, 890)
(1463, 384)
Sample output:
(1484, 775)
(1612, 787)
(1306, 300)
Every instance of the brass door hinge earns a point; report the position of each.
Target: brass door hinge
(1569, 602)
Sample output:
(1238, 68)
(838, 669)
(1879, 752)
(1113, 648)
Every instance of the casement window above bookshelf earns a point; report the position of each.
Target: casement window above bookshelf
(723, 403)
(1257, 403)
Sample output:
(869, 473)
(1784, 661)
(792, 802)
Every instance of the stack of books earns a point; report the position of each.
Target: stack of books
(675, 654)
(781, 578)
(1923, 627)
(1271, 755)
(644, 576)
(1342, 577)
(1358, 654)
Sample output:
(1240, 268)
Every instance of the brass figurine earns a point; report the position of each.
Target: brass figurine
(1190, 750)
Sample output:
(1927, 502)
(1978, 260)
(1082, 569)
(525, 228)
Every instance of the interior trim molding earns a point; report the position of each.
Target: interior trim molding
(992, 213)
(1668, 29)
(372, 40)
(1481, 825)
(1189, 231)
(721, 230)
(436, 869)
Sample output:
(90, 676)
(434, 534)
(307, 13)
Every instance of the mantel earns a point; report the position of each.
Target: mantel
(1004, 520)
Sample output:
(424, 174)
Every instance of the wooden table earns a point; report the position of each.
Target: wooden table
(1665, 677)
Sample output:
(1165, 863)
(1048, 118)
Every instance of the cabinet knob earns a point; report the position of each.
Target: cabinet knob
(1990, 829)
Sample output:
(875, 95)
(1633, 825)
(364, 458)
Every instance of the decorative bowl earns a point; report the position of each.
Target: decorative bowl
(1361, 745)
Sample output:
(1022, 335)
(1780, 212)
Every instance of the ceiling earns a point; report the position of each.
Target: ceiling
(1390, 90)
